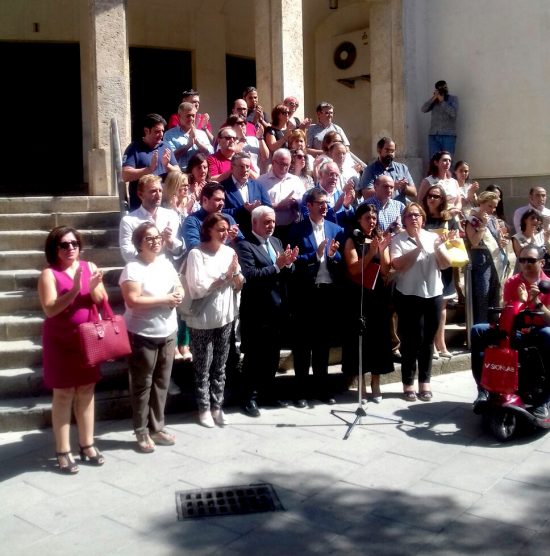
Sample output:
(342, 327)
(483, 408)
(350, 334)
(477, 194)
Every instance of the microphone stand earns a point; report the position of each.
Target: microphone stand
(360, 412)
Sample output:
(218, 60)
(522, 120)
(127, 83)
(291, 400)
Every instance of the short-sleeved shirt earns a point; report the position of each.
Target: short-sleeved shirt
(176, 137)
(316, 133)
(138, 155)
(395, 170)
(157, 279)
(423, 278)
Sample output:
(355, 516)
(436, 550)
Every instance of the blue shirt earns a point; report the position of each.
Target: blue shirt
(387, 214)
(190, 230)
(395, 170)
(177, 137)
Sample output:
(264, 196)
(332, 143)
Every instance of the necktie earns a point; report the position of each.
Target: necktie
(270, 251)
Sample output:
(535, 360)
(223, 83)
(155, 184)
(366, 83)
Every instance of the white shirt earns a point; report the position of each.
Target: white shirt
(243, 188)
(278, 189)
(157, 279)
(163, 217)
(323, 275)
(423, 278)
(203, 269)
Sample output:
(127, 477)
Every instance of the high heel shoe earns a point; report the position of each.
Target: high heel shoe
(97, 460)
(70, 467)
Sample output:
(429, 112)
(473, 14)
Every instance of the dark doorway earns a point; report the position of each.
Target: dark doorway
(157, 79)
(241, 73)
(42, 141)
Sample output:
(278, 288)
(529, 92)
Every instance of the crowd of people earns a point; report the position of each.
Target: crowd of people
(269, 232)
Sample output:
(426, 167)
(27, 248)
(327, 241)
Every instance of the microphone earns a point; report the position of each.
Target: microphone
(361, 236)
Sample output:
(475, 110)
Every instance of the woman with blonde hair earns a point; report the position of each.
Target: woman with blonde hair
(487, 252)
(176, 194)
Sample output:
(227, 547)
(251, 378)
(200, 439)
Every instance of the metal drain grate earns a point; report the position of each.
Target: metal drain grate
(234, 500)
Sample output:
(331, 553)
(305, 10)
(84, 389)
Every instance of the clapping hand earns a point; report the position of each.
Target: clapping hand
(95, 279)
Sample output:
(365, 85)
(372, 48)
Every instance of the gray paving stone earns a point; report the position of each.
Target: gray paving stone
(474, 535)
(17, 534)
(471, 472)
(392, 472)
(514, 503)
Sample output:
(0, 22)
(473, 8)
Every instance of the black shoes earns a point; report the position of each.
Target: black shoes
(251, 409)
(482, 398)
(301, 403)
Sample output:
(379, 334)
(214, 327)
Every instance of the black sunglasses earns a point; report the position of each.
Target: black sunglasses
(530, 260)
(66, 245)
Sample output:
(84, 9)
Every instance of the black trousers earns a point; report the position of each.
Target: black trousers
(260, 342)
(315, 330)
(418, 320)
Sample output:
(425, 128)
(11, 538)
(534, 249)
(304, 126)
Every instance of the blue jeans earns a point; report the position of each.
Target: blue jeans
(441, 143)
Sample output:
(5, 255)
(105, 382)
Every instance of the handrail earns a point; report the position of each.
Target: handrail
(116, 169)
(468, 305)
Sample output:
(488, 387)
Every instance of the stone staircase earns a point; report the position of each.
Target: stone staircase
(24, 226)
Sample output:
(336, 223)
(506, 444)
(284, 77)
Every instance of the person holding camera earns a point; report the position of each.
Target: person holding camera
(444, 109)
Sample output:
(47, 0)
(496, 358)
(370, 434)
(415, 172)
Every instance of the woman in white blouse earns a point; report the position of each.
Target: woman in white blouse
(417, 256)
(439, 174)
(212, 272)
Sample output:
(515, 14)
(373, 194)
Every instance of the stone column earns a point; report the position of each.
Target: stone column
(105, 79)
(387, 71)
(279, 52)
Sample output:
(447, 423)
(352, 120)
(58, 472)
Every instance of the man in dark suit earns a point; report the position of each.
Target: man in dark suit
(266, 266)
(242, 195)
(315, 295)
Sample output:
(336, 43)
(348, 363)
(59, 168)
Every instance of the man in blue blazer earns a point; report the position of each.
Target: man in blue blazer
(266, 266)
(315, 295)
(242, 195)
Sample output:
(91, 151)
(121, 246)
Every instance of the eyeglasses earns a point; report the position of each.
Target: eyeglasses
(321, 203)
(414, 215)
(282, 164)
(530, 260)
(434, 196)
(301, 156)
(153, 239)
(229, 137)
(294, 104)
(66, 245)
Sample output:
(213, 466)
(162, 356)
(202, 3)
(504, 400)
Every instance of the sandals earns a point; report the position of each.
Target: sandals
(97, 460)
(70, 467)
(426, 396)
(145, 443)
(409, 395)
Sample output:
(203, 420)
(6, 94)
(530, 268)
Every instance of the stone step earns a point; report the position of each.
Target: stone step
(20, 353)
(20, 303)
(455, 335)
(28, 381)
(20, 260)
(58, 204)
(30, 413)
(24, 279)
(78, 220)
(36, 239)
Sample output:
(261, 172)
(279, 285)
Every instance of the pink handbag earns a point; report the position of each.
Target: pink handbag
(103, 339)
